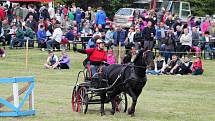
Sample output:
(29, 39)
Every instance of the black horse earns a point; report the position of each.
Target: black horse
(130, 78)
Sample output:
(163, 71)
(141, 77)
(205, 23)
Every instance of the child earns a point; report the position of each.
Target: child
(110, 57)
(2, 53)
(197, 67)
(51, 60)
(64, 61)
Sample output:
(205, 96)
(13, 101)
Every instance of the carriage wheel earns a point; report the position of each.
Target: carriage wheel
(82, 100)
(74, 100)
(121, 102)
(81, 77)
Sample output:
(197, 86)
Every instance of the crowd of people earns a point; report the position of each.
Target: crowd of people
(54, 27)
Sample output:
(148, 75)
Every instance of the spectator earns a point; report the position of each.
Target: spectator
(97, 33)
(51, 60)
(185, 66)
(161, 35)
(169, 21)
(172, 66)
(205, 25)
(55, 38)
(64, 62)
(25, 11)
(119, 40)
(101, 17)
(135, 37)
(110, 57)
(206, 45)
(13, 35)
(169, 45)
(130, 56)
(148, 33)
(197, 68)
(29, 35)
(51, 12)
(32, 23)
(195, 41)
(2, 53)
(78, 18)
(86, 29)
(2, 13)
(186, 41)
(20, 36)
(41, 37)
(211, 28)
(159, 64)
(109, 37)
(92, 42)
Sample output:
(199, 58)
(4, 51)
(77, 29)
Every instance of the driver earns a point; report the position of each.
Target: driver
(97, 56)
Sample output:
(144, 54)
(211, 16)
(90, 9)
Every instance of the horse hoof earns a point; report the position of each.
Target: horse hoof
(129, 111)
(132, 115)
(112, 112)
(102, 114)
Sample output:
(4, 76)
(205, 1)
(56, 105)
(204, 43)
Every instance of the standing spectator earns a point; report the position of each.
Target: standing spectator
(110, 57)
(51, 12)
(65, 23)
(186, 41)
(101, 17)
(64, 62)
(205, 25)
(119, 37)
(161, 35)
(109, 36)
(51, 60)
(169, 21)
(185, 66)
(2, 13)
(78, 18)
(195, 41)
(169, 45)
(197, 68)
(18, 11)
(32, 23)
(149, 33)
(211, 28)
(51, 25)
(137, 38)
(90, 15)
(25, 11)
(55, 38)
(58, 16)
(45, 13)
(71, 16)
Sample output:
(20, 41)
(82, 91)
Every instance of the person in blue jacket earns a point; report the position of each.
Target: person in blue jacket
(78, 16)
(41, 37)
(101, 17)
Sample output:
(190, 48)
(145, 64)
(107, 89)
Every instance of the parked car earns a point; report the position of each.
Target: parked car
(125, 16)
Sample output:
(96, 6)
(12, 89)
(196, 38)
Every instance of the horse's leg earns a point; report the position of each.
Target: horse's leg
(131, 110)
(102, 104)
(113, 103)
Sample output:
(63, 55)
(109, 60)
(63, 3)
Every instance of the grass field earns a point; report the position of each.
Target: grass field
(165, 98)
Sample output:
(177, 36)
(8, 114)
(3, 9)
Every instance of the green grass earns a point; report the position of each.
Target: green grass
(165, 98)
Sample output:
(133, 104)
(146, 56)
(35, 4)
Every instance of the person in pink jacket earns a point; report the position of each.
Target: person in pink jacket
(205, 26)
(197, 68)
(110, 57)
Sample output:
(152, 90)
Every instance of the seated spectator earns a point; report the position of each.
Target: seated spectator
(172, 66)
(12, 33)
(51, 60)
(130, 56)
(19, 36)
(92, 42)
(86, 31)
(41, 37)
(66, 38)
(97, 32)
(185, 66)
(64, 62)
(2, 37)
(197, 68)
(110, 57)
(2, 53)
(55, 38)
(159, 64)
(29, 35)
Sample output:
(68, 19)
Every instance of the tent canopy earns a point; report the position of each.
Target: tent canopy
(30, 0)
